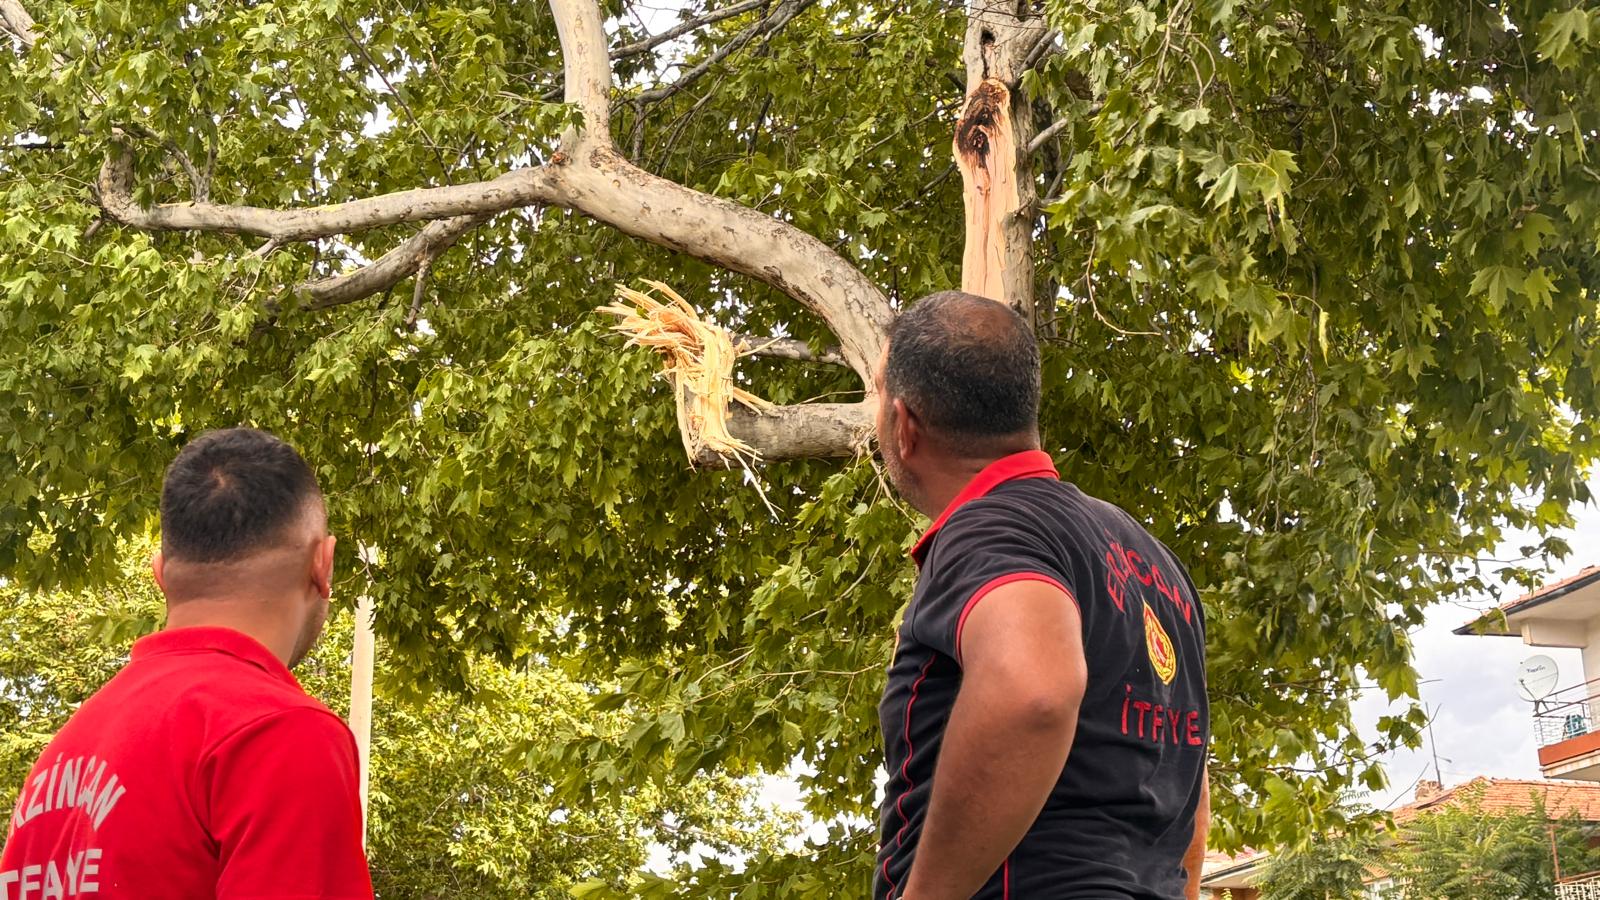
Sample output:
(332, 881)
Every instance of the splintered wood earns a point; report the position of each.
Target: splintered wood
(986, 154)
(697, 358)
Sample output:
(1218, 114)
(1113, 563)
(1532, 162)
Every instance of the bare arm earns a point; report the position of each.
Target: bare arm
(1195, 857)
(1023, 677)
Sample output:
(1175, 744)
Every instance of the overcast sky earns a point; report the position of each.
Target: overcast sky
(1481, 726)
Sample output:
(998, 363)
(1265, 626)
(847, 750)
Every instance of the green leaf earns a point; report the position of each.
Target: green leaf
(1495, 282)
(1559, 33)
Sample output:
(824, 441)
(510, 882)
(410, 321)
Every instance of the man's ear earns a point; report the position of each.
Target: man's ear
(322, 565)
(158, 568)
(907, 430)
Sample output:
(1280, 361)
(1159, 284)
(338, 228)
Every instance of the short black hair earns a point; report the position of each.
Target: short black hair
(966, 365)
(231, 493)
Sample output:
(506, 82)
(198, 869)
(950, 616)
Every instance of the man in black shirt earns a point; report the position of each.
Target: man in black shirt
(1045, 718)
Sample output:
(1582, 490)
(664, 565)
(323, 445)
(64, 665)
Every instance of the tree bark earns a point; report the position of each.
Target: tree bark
(992, 151)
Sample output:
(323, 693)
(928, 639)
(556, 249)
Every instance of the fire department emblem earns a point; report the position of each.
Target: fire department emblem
(1162, 655)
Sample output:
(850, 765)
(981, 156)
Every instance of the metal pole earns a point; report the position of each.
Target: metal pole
(361, 660)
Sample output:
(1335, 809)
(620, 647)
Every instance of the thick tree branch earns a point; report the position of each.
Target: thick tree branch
(411, 257)
(804, 431)
(686, 26)
(1041, 47)
(786, 348)
(587, 69)
(17, 21)
(606, 187)
(1043, 137)
(522, 187)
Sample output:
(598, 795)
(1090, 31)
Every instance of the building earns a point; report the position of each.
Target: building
(1563, 614)
(1236, 877)
(1232, 875)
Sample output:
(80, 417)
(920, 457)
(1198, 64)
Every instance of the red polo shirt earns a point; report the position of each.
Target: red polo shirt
(201, 770)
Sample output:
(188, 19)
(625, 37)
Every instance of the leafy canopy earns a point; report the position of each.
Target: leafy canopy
(1322, 316)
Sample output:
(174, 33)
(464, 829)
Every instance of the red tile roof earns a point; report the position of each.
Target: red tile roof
(1217, 857)
(1561, 798)
(1549, 588)
(1531, 597)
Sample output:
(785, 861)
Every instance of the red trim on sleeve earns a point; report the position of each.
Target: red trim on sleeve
(1000, 582)
(900, 836)
(1027, 464)
(1006, 880)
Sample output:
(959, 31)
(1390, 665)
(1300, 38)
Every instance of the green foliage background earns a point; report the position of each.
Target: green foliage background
(1321, 315)
(1461, 851)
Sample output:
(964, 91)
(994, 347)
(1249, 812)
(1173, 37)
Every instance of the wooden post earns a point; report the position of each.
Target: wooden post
(362, 656)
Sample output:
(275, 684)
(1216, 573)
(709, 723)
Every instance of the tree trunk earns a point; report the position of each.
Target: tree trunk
(991, 150)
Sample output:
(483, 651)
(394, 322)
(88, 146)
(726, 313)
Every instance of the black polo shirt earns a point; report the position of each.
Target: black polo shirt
(1122, 813)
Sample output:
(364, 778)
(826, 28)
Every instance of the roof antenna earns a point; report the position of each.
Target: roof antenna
(1433, 747)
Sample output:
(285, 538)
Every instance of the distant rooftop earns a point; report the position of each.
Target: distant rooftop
(1504, 795)
(1493, 796)
(1495, 621)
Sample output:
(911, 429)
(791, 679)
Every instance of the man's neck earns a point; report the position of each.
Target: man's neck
(244, 616)
(950, 475)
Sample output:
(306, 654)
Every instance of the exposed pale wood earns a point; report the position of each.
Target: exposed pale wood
(362, 657)
(991, 148)
(984, 146)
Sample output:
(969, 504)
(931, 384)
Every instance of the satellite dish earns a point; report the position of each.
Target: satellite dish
(1536, 677)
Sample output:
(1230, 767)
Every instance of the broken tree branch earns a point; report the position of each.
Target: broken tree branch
(588, 175)
(990, 142)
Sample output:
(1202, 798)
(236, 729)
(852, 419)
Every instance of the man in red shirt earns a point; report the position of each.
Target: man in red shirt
(203, 769)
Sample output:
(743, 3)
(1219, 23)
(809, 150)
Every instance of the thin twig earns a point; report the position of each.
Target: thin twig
(1043, 137)
(438, 155)
(777, 19)
(683, 28)
(418, 291)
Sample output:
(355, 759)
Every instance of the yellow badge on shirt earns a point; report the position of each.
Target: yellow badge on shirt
(1162, 655)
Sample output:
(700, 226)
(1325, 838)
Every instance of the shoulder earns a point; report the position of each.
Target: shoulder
(311, 731)
(231, 699)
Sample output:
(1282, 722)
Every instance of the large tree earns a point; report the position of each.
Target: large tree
(1312, 282)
